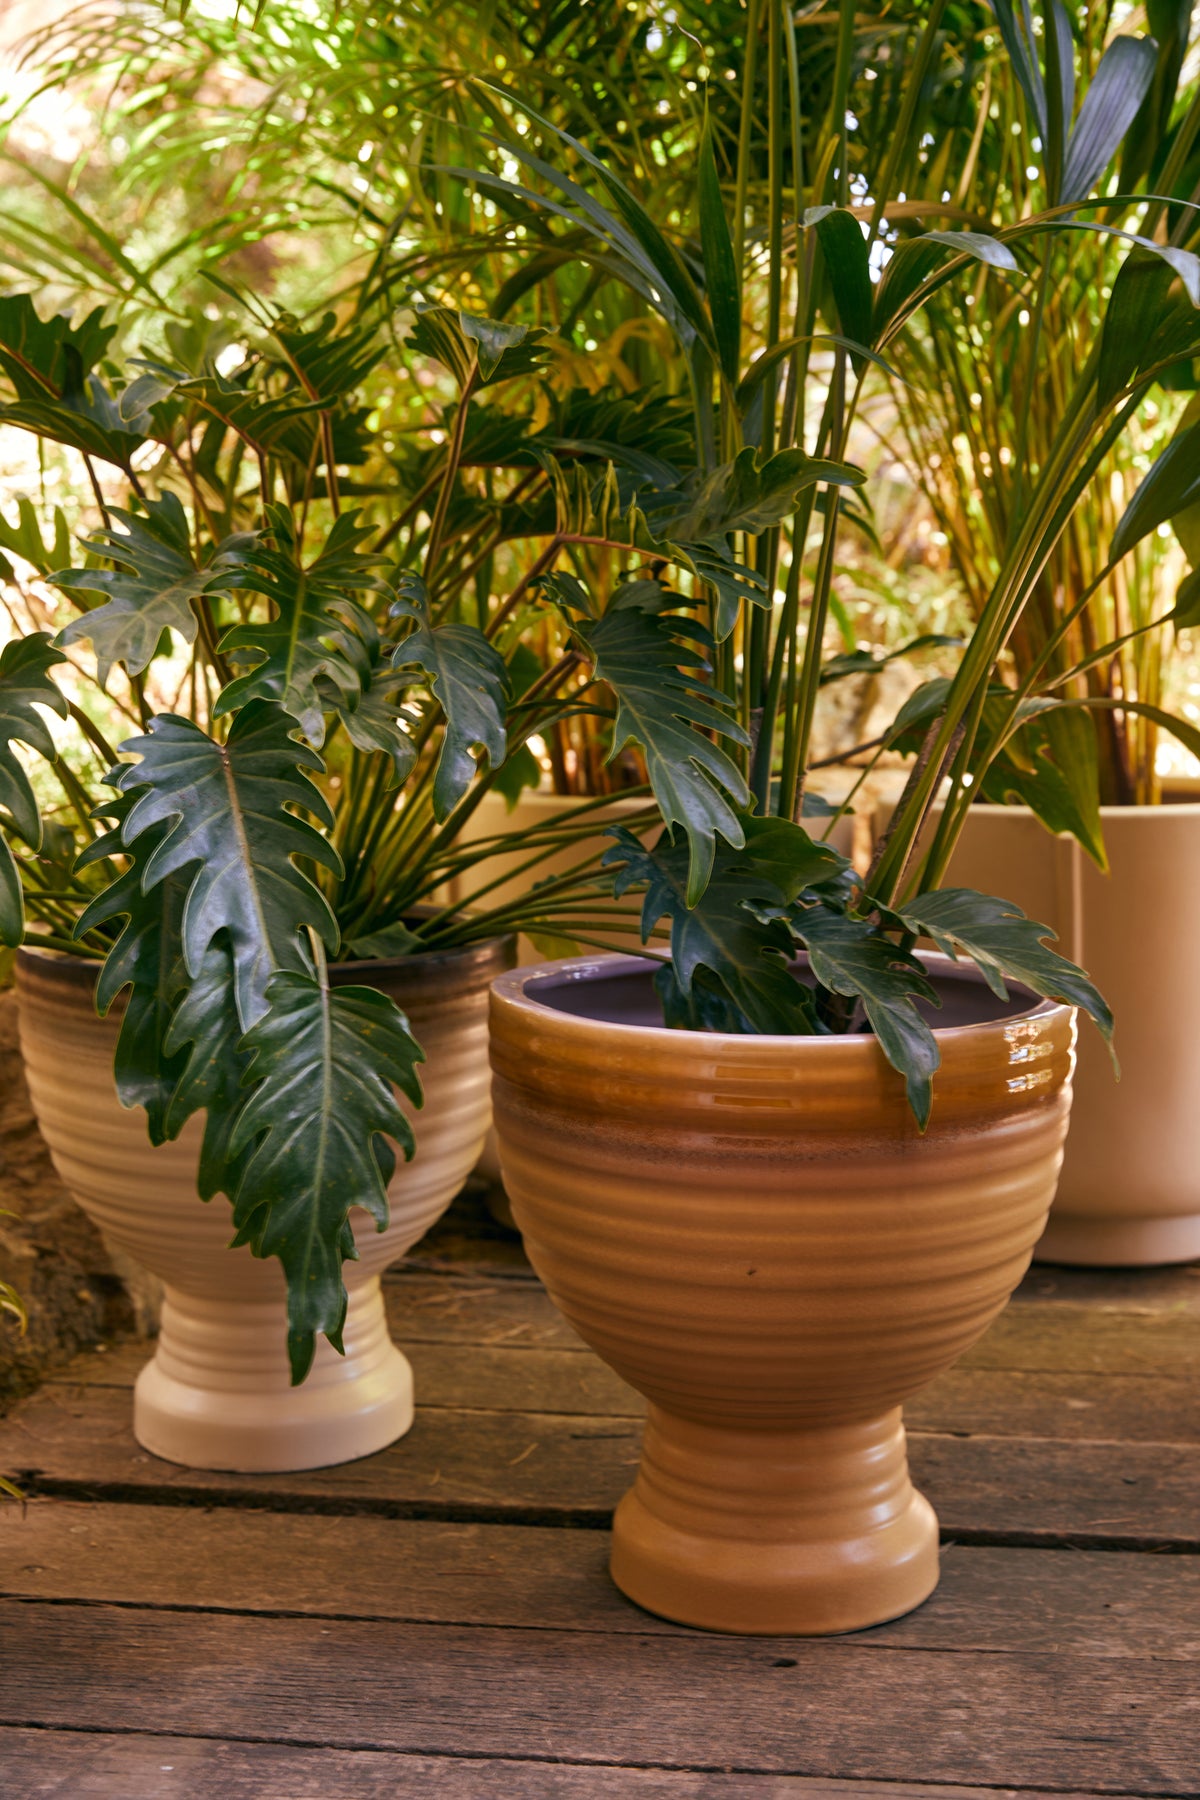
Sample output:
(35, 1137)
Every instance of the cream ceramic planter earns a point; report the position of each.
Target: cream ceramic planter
(217, 1393)
(1129, 1194)
(752, 1232)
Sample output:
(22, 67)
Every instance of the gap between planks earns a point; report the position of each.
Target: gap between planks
(1080, 1603)
(49, 1764)
(551, 1469)
(830, 1708)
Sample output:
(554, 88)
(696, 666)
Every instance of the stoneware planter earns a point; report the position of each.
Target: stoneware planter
(1129, 1194)
(216, 1394)
(752, 1232)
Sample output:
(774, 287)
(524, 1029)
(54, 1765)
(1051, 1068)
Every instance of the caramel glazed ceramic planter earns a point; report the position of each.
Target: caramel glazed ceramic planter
(752, 1232)
(217, 1392)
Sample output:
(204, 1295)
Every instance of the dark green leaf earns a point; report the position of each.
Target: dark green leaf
(323, 1064)
(720, 269)
(25, 685)
(329, 363)
(1002, 942)
(637, 229)
(390, 941)
(46, 358)
(666, 708)
(1109, 108)
(468, 346)
(1169, 22)
(49, 363)
(520, 771)
(152, 588)
(147, 959)
(469, 681)
(742, 496)
(320, 650)
(226, 809)
(1051, 765)
(1172, 483)
(1023, 56)
(847, 262)
(203, 1043)
(25, 538)
(283, 422)
(12, 901)
(746, 955)
(1133, 314)
(1059, 91)
(1186, 612)
(854, 959)
(919, 257)
(706, 1006)
(925, 704)
(376, 720)
(788, 856)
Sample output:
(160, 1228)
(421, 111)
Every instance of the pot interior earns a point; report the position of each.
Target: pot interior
(622, 993)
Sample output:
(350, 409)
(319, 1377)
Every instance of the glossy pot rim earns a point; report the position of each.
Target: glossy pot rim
(510, 991)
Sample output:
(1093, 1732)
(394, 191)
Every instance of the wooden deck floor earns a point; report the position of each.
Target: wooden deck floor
(437, 1620)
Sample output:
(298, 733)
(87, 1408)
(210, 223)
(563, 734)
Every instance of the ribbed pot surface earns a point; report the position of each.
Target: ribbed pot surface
(754, 1234)
(217, 1392)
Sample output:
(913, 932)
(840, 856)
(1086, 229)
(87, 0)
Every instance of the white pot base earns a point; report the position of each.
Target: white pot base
(217, 1394)
(257, 1434)
(1088, 1241)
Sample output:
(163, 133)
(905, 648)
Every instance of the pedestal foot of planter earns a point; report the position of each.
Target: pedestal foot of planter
(1085, 1240)
(775, 1532)
(217, 1393)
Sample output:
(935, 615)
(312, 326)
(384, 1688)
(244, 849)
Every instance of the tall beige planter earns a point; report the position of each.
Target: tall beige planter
(1130, 1188)
(752, 1232)
(217, 1394)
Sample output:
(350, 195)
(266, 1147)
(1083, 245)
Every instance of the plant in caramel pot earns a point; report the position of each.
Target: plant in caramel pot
(783, 1175)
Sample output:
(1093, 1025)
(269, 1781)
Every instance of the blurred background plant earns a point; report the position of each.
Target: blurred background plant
(313, 152)
(1000, 365)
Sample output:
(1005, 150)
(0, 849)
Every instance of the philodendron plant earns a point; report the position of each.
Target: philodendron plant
(351, 687)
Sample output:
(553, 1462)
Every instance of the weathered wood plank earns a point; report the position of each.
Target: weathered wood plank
(554, 1469)
(466, 1237)
(1001, 1402)
(1148, 1290)
(506, 1315)
(57, 1765)
(832, 1708)
(1075, 1602)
